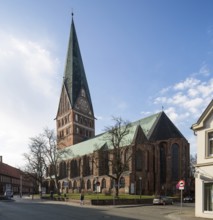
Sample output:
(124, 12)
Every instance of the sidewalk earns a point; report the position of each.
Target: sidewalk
(185, 214)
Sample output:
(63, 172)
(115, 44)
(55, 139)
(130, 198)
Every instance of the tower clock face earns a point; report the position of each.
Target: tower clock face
(83, 104)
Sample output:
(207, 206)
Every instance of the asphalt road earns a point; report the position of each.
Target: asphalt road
(24, 209)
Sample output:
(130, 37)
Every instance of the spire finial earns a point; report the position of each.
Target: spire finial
(72, 13)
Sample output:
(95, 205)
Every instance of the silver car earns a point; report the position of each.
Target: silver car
(162, 200)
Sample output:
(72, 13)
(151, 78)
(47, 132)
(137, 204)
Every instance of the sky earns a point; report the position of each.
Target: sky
(140, 57)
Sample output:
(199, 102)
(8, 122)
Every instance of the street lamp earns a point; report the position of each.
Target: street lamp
(20, 186)
(140, 178)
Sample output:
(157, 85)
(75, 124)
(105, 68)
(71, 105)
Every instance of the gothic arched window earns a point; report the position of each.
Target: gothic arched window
(138, 160)
(86, 166)
(162, 163)
(82, 184)
(63, 170)
(112, 183)
(75, 184)
(103, 184)
(88, 184)
(122, 182)
(127, 156)
(175, 162)
(74, 169)
(70, 185)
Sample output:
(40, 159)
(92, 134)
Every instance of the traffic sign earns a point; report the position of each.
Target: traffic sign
(181, 183)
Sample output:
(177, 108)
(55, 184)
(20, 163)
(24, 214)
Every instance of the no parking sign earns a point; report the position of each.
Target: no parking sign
(181, 184)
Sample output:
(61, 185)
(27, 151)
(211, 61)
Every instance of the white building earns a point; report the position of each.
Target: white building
(203, 130)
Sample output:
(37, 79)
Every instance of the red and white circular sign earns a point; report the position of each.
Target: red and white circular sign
(181, 183)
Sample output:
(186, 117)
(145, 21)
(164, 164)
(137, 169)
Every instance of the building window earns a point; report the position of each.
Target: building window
(70, 185)
(62, 170)
(82, 184)
(80, 119)
(75, 184)
(163, 166)
(175, 162)
(112, 183)
(138, 160)
(83, 93)
(77, 130)
(127, 156)
(122, 182)
(208, 197)
(76, 117)
(210, 144)
(103, 183)
(147, 161)
(88, 184)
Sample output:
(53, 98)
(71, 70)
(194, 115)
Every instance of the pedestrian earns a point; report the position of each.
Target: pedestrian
(81, 198)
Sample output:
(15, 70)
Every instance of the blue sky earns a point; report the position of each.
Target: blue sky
(139, 55)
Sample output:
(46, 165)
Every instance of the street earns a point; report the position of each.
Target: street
(23, 209)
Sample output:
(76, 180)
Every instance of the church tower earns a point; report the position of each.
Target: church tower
(75, 119)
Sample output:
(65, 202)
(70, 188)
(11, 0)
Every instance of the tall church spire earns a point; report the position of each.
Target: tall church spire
(75, 117)
(74, 74)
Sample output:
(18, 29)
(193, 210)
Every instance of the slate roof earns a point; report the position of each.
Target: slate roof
(164, 129)
(74, 74)
(155, 127)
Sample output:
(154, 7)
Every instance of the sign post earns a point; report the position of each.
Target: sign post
(181, 185)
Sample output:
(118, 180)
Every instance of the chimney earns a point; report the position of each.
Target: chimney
(0, 159)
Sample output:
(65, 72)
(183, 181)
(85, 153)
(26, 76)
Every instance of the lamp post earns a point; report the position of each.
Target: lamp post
(20, 186)
(140, 178)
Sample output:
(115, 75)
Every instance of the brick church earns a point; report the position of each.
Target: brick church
(160, 153)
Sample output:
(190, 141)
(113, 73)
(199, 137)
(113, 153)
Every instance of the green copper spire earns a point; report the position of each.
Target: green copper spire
(74, 74)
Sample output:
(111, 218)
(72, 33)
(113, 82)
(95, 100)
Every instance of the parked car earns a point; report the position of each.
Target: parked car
(188, 199)
(162, 200)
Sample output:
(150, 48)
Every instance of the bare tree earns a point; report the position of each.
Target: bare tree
(118, 153)
(35, 166)
(44, 154)
(53, 155)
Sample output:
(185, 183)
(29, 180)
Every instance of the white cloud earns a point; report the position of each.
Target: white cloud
(187, 83)
(184, 103)
(189, 95)
(175, 115)
(192, 92)
(27, 61)
(165, 90)
(28, 93)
